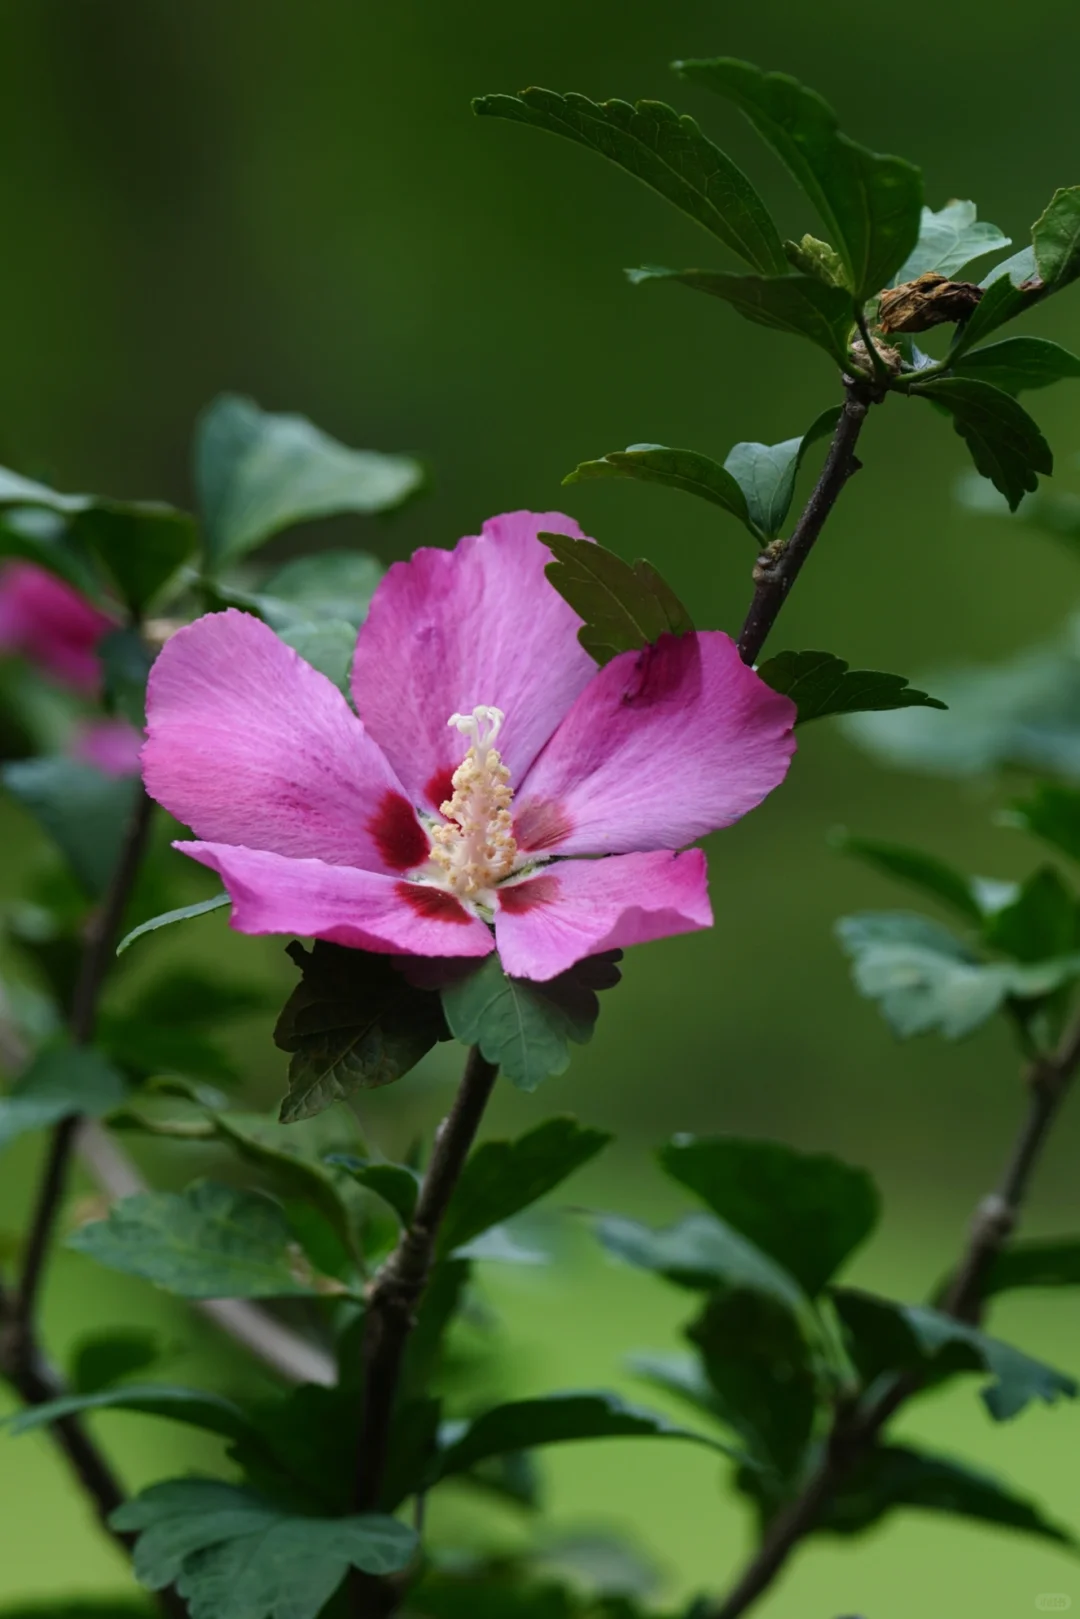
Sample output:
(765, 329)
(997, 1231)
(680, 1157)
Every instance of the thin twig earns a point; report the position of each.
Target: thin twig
(778, 568)
(854, 1433)
(399, 1286)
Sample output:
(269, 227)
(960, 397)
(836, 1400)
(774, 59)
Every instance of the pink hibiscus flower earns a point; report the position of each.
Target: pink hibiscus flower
(52, 625)
(489, 752)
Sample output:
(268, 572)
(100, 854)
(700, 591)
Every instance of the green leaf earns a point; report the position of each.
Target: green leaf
(142, 546)
(235, 1555)
(103, 1358)
(125, 666)
(702, 1253)
(800, 305)
(167, 918)
(819, 683)
(1018, 363)
(949, 241)
(353, 1022)
(1055, 237)
(195, 1407)
(872, 205)
(81, 809)
(328, 646)
(810, 256)
(1040, 923)
(503, 1177)
(209, 1242)
(44, 537)
(1011, 288)
(61, 1082)
(680, 1374)
(918, 869)
(762, 1375)
(668, 152)
(766, 473)
(276, 1151)
(888, 1337)
(335, 585)
(553, 1420)
(1053, 814)
(894, 1476)
(258, 473)
(623, 607)
(525, 1028)
(1006, 445)
(676, 469)
(1038, 1262)
(807, 1211)
(396, 1184)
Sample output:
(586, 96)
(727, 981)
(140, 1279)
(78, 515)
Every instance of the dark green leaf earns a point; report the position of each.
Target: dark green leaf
(352, 1022)
(1018, 363)
(819, 683)
(328, 646)
(196, 1407)
(182, 914)
(677, 469)
(886, 1337)
(396, 1184)
(104, 1358)
(84, 811)
(949, 241)
(144, 1047)
(142, 546)
(918, 869)
(258, 473)
(894, 1476)
(1038, 1262)
(668, 152)
(553, 1420)
(334, 585)
(1011, 288)
(1055, 237)
(44, 537)
(766, 473)
(699, 1252)
(525, 1027)
(1053, 814)
(235, 1555)
(623, 607)
(1006, 445)
(210, 1242)
(275, 1150)
(800, 305)
(871, 204)
(762, 1375)
(807, 1211)
(1040, 923)
(61, 1081)
(503, 1177)
(125, 666)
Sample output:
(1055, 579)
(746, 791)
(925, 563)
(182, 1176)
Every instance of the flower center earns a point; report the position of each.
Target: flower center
(474, 848)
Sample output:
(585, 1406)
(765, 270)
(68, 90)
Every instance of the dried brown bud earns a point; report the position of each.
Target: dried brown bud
(891, 357)
(929, 300)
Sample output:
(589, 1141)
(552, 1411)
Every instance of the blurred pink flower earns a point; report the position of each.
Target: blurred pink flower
(51, 625)
(488, 751)
(111, 745)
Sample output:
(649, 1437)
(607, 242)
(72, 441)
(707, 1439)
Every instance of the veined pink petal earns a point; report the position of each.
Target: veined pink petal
(52, 625)
(113, 745)
(271, 893)
(248, 744)
(661, 747)
(451, 630)
(577, 908)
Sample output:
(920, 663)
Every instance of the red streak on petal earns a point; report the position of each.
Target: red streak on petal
(433, 904)
(521, 897)
(440, 788)
(540, 826)
(399, 837)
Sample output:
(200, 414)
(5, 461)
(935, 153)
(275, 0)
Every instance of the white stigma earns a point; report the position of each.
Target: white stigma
(474, 848)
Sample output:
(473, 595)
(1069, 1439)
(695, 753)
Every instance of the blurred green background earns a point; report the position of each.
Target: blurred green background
(295, 201)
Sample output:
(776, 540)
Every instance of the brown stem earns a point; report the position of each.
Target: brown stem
(855, 1433)
(399, 1286)
(778, 568)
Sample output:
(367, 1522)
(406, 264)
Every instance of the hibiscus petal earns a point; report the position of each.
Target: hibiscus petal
(661, 747)
(452, 630)
(577, 908)
(249, 744)
(272, 894)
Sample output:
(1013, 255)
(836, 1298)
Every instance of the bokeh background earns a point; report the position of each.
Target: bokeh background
(295, 202)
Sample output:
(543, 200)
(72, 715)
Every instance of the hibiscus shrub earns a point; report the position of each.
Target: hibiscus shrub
(449, 785)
